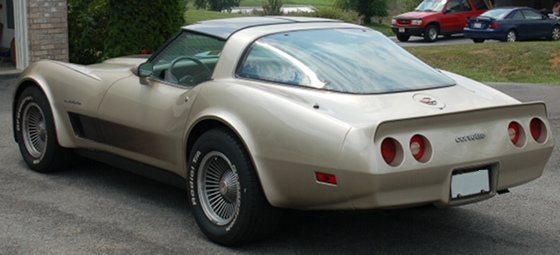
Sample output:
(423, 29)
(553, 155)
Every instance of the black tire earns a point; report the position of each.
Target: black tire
(36, 135)
(221, 175)
(431, 33)
(403, 38)
(476, 40)
(511, 36)
(554, 34)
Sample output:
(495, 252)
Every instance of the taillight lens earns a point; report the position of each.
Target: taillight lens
(513, 132)
(536, 129)
(493, 25)
(417, 147)
(388, 150)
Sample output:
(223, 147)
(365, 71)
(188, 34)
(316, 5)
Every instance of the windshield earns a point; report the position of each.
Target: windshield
(431, 5)
(496, 13)
(345, 60)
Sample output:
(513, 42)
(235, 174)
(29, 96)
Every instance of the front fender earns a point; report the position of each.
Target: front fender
(66, 89)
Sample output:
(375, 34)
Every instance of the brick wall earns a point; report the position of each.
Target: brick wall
(47, 29)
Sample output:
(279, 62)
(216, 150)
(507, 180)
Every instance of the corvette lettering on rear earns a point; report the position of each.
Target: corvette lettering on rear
(469, 138)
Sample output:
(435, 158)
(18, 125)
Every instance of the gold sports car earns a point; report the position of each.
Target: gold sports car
(254, 114)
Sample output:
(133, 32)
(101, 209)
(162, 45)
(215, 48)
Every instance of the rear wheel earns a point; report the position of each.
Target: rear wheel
(403, 38)
(225, 193)
(431, 33)
(511, 36)
(36, 134)
(476, 40)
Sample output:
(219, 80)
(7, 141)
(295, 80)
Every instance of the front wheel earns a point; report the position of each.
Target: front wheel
(403, 38)
(431, 33)
(36, 134)
(225, 193)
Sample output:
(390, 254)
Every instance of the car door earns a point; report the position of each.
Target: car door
(144, 119)
(455, 14)
(537, 23)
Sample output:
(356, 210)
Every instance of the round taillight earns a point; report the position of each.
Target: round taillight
(417, 147)
(536, 129)
(388, 150)
(513, 132)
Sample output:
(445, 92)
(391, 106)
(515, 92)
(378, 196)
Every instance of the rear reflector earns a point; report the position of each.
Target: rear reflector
(536, 129)
(388, 150)
(326, 178)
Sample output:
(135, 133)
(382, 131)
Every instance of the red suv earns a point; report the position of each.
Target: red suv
(434, 17)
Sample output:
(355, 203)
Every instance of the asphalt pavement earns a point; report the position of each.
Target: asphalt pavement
(97, 209)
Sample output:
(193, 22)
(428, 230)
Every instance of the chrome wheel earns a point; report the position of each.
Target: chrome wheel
(511, 36)
(556, 33)
(34, 130)
(218, 188)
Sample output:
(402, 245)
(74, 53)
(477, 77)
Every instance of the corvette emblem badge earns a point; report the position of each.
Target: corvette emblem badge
(429, 100)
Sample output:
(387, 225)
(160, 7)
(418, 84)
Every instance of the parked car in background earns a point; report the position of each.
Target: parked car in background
(510, 24)
(436, 17)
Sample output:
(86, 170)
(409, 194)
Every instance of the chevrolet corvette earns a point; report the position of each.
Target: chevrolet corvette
(255, 114)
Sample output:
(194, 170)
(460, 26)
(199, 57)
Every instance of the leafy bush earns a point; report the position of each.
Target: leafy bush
(141, 24)
(87, 21)
(102, 29)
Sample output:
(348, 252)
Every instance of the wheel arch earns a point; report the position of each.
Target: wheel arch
(214, 122)
(63, 135)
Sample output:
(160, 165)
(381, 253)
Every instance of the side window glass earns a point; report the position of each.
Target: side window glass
(518, 15)
(531, 15)
(453, 6)
(480, 4)
(188, 60)
(466, 5)
(264, 62)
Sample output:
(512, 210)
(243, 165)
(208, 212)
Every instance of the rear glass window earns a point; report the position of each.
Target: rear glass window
(496, 13)
(345, 60)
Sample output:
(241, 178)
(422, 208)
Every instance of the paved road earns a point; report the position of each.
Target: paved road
(96, 209)
(419, 41)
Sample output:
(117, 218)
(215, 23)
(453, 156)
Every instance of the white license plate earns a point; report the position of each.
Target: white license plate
(401, 30)
(477, 25)
(470, 183)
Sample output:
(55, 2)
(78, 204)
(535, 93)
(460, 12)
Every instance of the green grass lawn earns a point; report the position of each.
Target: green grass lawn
(530, 62)
(315, 3)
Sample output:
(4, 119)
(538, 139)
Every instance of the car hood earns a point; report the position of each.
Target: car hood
(415, 15)
(110, 70)
(365, 110)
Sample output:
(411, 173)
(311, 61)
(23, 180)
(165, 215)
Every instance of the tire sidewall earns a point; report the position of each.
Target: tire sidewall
(34, 95)
(209, 142)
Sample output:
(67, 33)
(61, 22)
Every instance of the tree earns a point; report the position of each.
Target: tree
(87, 21)
(365, 8)
(216, 5)
(411, 5)
(135, 25)
(274, 7)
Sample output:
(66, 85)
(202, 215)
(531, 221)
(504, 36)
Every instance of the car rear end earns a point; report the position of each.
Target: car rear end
(446, 160)
(483, 28)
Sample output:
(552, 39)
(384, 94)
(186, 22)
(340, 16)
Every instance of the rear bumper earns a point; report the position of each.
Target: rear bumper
(492, 34)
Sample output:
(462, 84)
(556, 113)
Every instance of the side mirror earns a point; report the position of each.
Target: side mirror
(145, 69)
